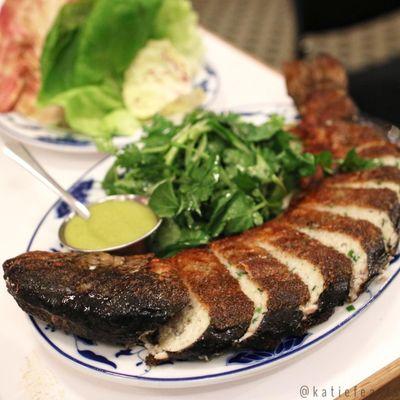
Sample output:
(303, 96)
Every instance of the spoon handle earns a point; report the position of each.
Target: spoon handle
(17, 152)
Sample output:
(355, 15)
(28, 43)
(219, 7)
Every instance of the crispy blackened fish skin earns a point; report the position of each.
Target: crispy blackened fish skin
(99, 296)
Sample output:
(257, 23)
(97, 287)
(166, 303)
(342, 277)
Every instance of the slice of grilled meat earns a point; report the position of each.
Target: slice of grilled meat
(276, 292)
(325, 271)
(378, 206)
(377, 178)
(359, 240)
(327, 106)
(218, 315)
(99, 296)
(339, 137)
(330, 120)
(319, 89)
(303, 78)
(386, 153)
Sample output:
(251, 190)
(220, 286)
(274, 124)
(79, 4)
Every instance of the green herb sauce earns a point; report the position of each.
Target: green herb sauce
(111, 223)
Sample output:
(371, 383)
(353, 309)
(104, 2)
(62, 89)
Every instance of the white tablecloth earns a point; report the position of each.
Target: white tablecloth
(29, 371)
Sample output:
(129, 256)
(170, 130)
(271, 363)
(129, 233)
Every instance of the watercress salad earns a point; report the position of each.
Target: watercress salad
(213, 175)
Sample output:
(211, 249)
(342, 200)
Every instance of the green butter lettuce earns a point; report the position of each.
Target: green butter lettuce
(120, 122)
(98, 112)
(94, 41)
(61, 50)
(114, 32)
(86, 106)
(90, 47)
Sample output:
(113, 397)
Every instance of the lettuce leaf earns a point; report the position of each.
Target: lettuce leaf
(97, 111)
(61, 50)
(93, 42)
(86, 106)
(114, 32)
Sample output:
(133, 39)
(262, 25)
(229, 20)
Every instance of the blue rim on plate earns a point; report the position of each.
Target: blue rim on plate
(213, 377)
(34, 133)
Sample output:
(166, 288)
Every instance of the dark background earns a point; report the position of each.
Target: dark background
(363, 34)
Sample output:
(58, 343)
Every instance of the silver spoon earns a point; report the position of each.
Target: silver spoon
(17, 152)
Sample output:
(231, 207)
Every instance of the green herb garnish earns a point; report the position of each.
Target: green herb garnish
(354, 162)
(212, 175)
(353, 256)
(350, 308)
